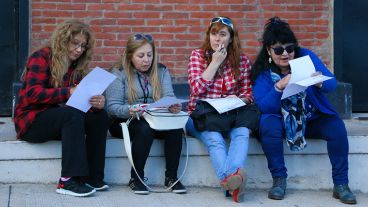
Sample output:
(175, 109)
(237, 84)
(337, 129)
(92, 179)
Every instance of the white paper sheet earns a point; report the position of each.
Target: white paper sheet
(165, 102)
(95, 83)
(225, 104)
(301, 70)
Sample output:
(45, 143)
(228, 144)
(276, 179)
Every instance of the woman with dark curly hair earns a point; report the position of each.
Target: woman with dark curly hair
(306, 114)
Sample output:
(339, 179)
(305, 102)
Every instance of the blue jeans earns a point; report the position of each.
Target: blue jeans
(225, 162)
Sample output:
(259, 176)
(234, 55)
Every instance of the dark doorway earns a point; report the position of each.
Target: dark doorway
(13, 48)
(350, 43)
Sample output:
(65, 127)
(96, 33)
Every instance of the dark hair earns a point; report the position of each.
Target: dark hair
(275, 31)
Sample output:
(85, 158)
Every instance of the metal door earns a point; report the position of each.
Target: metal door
(13, 48)
(350, 48)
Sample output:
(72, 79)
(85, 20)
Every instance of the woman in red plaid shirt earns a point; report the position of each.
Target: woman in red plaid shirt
(49, 79)
(219, 69)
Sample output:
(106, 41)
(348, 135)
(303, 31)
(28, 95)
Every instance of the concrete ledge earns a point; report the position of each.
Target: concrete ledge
(22, 162)
(21, 150)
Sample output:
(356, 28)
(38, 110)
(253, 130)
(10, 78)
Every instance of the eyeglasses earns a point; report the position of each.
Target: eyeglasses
(77, 45)
(224, 21)
(280, 50)
(140, 36)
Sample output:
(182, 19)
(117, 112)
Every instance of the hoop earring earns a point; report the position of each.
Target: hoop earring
(269, 60)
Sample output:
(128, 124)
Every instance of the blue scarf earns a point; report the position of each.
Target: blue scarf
(293, 112)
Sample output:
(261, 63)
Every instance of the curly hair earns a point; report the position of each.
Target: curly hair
(275, 31)
(234, 47)
(125, 63)
(59, 45)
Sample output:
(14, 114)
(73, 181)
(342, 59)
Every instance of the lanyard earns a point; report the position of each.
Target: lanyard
(144, 88)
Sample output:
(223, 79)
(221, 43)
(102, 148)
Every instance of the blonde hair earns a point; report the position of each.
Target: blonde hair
(59, 45)
(126, 64)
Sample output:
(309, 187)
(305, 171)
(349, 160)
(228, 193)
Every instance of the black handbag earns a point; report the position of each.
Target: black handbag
(206, 118)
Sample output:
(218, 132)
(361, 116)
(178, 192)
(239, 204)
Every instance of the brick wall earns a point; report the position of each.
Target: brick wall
(178, 25)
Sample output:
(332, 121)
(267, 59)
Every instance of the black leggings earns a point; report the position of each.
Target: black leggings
(142, 135)
(83, 138)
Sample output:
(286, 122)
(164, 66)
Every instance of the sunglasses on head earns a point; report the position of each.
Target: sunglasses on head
(140, 36)
(280, 50)
(224, 21)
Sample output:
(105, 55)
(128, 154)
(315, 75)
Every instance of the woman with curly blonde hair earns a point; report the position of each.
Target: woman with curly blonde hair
(48, 80)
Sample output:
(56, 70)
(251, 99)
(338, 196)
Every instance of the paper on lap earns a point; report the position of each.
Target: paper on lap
(95, 83)
(225, 104)
(165, 102)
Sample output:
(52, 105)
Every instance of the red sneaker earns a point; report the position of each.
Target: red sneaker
(233, 181)
(238, 194)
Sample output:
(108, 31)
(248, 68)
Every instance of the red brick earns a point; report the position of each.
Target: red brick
(202, 2)
(100, 7)
(187, 36)
(85, 14)
(130, 7)
(103, 22)
(243, 8)
(188, 22)
(174, 44)
(161, 36)
(313, 1)
(174, 29)
(151, 7)
(105, 36)
(322, 35)
(157, 22)
(190, 8)
(105, 50)
(117, 14)
(71, 7)
(133, 22)
(44, 21)
(147, 15)
(174, 1)
(162, 50)
(150, 30)
(286, 1)
(42, 6)
(54, 14)
(175, 15)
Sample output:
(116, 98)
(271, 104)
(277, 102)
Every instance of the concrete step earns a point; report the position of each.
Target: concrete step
(22, 162)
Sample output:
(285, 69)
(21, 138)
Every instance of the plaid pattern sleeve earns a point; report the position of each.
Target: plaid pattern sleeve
(222, 85)
(244, 82)
(37, 94)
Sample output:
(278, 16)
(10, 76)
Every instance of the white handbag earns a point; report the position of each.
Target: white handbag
(163, 119)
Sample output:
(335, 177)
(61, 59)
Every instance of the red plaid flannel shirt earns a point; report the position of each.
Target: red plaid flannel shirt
(201, 88)
(37, 94)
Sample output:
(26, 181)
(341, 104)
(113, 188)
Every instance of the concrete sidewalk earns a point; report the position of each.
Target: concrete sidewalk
(40, 195)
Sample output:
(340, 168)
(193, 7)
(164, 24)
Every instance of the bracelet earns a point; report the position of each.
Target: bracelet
(277, 89)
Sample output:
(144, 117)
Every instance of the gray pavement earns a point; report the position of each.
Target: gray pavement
(39, 195)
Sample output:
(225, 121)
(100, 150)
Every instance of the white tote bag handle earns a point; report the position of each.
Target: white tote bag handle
(128, 150)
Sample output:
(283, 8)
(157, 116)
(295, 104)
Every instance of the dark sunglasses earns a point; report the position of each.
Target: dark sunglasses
(280, 50)
(224, 21)
(140, 36)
